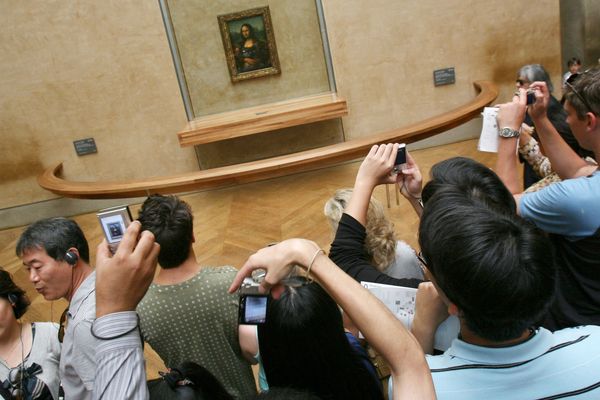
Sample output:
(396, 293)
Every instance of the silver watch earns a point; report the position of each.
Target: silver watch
(508, 133)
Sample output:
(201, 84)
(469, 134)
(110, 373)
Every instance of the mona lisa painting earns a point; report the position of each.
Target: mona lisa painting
(249, 44)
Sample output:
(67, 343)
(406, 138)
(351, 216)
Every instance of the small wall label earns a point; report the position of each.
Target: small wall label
(444, 76)
(85, 146)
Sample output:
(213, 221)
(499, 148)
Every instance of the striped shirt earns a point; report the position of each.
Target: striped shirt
(120, 371)
(548, 365)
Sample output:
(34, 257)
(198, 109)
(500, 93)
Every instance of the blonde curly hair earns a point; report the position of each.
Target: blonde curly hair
(380, 241)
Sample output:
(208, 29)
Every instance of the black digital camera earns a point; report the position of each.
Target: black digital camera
(400, 159)
(530, 96)
(253, 305)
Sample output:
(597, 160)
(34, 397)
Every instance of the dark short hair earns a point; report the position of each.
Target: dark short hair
(472, 178)
(172, 223)
(56, 236)
(587, 85)
(497, 268)
(8, 287)
(303, 346)
(573, 61)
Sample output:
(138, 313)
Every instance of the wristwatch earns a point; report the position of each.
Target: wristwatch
(508, 133)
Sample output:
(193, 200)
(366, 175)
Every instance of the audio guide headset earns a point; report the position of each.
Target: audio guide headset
(71, 258)
(12, 299)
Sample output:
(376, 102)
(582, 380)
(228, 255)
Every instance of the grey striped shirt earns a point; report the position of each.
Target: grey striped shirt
(120, 370)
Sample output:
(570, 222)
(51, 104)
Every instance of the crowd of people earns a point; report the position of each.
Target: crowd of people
(520, 271)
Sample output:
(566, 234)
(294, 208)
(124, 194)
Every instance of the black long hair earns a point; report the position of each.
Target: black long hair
(497, 268)
(303, 346)
(475, 180)
(13, 293)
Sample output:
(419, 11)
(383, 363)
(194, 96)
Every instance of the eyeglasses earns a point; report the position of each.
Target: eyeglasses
(521, 82)
(422, 262)
(62, 325)
(424, 267)
(569, 83)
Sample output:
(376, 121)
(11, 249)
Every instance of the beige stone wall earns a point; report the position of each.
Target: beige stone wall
(384, 58)
(303, 72)
(592, 33)
(580, 31)
(298, 39)
(72, 70)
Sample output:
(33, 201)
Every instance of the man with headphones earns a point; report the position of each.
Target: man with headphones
(56, 255)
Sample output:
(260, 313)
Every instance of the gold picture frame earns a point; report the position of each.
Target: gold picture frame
(249, 44)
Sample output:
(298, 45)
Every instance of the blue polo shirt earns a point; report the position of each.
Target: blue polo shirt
(569, 208)
(570, 212)
(565, 363)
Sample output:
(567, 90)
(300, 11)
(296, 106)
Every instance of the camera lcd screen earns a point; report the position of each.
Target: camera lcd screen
(113, 226)
(114, 222)
(253, 310)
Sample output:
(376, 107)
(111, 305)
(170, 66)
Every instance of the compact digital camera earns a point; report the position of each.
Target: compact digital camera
(253, 305)
(400, 159)
(530, 96)
(114, 222)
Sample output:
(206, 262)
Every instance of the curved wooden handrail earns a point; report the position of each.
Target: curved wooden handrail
(271, 167)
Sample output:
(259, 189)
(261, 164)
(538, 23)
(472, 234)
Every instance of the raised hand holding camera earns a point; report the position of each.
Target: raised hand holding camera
(122, 279)
(410, 180)
(400, 162)
(539, 108)
(376, 169)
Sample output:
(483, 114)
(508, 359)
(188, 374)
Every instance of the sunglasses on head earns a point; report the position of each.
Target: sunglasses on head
(569, 83)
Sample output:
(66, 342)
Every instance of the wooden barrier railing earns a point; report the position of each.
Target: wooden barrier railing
(271, 167)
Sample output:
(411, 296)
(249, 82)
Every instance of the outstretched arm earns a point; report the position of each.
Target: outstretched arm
(248, 342)
(510, 115)
(374, 170)
(121, 282)
(383, 331)
(564, 160)
(347, 249)
(410, 182)
(430, 312)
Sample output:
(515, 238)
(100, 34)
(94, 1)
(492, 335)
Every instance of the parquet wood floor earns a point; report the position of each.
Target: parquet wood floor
(232, 223)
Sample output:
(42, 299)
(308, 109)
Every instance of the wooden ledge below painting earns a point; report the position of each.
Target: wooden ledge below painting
(270, 167)
(262, 118)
